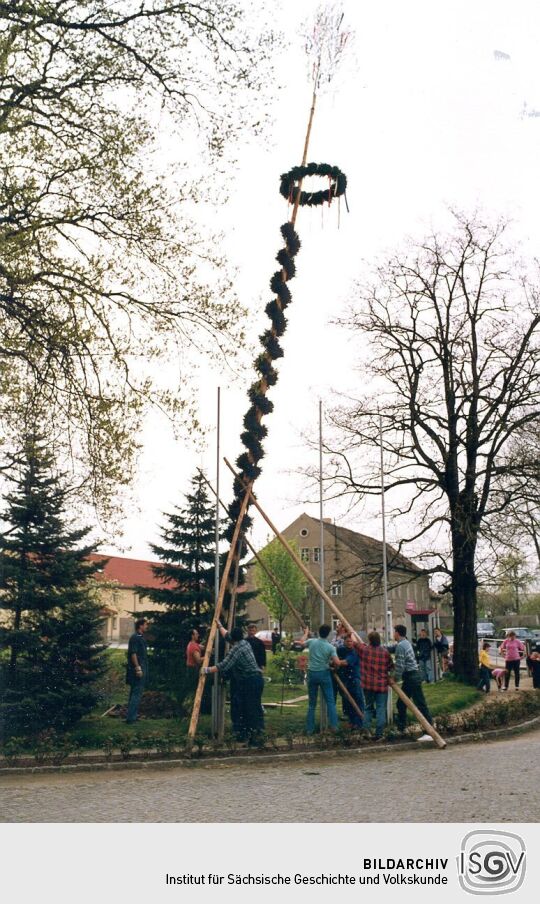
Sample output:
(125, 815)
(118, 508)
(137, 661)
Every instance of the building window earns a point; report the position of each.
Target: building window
(335, 622)
(304, 532)
(304, 554)
(316, 553)
(336, 588)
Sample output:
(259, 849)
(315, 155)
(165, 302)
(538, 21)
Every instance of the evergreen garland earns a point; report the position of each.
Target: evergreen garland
(289, 189)
(254, 432)
(248, 462)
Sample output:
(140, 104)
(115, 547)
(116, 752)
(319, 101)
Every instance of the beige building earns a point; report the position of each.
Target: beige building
(353, 578)
(120, 601)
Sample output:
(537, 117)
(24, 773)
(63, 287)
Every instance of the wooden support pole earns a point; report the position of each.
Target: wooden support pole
(213, 628)
(314, 583)
(346, 693)
(416, 712)
(258, 559)
(293, 610)
(296, 559)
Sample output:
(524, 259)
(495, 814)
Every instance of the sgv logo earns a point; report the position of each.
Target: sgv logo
(491, 863)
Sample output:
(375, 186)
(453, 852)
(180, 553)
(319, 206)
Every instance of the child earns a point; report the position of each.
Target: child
(533, 662)
(498, 674)
(486, 666)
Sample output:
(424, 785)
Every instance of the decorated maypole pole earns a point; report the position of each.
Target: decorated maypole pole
(325, 45)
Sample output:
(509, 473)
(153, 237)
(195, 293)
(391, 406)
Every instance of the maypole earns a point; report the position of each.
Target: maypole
(324, 49)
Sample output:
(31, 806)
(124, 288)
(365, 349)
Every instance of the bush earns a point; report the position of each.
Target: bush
(284, 667)
(492, 712)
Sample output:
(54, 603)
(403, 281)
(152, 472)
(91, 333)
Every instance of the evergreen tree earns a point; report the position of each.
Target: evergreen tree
(50, 625)
(187, 592)
(187, 574)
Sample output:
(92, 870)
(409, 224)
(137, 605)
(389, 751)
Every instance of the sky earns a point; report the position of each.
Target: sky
(434, 107)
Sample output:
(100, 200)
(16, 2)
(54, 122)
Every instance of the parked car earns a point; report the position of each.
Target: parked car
(485, 629)
(266, 637)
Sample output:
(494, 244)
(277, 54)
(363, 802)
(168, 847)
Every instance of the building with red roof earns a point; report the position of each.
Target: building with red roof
(121, 601)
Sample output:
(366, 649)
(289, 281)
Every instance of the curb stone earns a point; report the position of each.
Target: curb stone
(270, 758)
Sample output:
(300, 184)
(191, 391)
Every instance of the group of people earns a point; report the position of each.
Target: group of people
(514, 651)
(365, 670)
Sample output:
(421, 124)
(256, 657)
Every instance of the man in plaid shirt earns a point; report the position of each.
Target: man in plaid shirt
(240, 665)
(375, 667)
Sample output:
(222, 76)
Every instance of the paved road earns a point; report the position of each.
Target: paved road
(458, 784)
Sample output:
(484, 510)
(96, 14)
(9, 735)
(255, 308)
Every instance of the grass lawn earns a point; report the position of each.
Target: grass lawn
(443, 697)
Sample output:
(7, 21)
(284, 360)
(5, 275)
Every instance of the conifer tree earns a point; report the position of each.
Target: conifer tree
(50, 624)
(187, 552)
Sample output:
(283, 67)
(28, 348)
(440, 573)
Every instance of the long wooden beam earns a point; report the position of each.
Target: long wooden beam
(293, 610)
(213, 628)
(314, 583)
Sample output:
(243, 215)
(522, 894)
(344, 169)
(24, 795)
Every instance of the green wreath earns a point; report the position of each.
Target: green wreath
(289, 188)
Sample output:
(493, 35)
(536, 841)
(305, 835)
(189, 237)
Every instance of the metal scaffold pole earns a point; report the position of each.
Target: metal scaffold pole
(324, 712)
(388, 634)
(217, 691)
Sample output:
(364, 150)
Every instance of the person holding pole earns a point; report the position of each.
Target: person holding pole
(349, 672)
(322, 654)
(376, 665)
(240, 664)
(411, 683)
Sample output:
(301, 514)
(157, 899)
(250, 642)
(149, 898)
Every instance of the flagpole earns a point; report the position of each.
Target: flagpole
(387, 609)
(216, 690)
(323, 707)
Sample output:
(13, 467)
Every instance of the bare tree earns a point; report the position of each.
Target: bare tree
(452, 327)
(516, 529)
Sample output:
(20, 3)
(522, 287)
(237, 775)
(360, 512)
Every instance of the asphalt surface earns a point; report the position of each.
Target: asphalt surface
(458, 784)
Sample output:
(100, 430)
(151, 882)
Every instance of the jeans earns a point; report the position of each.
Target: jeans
(248, 694)
(512, 665)
(135, 694)
(376, 703)
(237, 718)
(322, 680)
(426, 670)
(412, 686)
(355, 690)
(485, 679)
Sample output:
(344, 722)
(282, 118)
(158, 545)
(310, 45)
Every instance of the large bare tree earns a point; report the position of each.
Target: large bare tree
(452, 327)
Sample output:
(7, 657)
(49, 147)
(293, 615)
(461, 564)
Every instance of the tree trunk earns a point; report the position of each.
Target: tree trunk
(464, 602)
